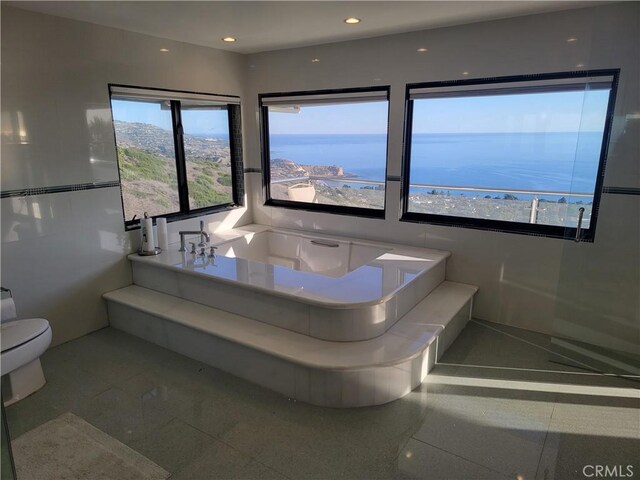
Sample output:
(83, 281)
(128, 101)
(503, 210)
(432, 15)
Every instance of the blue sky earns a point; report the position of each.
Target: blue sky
(194, 121)
(539, 112)
(354, 118)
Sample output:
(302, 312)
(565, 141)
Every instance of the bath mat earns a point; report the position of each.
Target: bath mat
(68, 448)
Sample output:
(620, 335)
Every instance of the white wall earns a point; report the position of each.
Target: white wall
(61, 251)
(536, 283)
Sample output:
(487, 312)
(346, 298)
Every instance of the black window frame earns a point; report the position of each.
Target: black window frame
(552, 231)
(235, 155)
(317, 207)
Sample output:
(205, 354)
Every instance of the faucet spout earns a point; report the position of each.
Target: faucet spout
(204, 237)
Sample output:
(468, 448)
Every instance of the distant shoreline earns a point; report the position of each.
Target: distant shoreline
(342, 134)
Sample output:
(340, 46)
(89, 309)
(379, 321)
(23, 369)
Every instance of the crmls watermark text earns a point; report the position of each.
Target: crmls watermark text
(608, 471)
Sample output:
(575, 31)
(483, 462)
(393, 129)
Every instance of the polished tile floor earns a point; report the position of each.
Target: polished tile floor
(495, 407)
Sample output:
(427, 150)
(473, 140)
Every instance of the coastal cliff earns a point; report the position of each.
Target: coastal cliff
(283, 168)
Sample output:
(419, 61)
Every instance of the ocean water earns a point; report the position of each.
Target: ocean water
(566, 162)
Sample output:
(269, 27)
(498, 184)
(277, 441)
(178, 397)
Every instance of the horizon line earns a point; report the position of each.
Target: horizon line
(443, 133)
(377, 133)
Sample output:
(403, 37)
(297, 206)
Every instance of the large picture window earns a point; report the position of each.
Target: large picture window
(178, 153)
(519, 154)
(326, 151)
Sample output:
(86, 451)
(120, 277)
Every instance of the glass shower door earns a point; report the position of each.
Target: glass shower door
(6, 463)
(596, 324)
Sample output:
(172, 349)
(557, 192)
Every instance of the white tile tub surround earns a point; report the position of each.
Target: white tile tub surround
(324, 373)
(56, 130)
(360, 300)
(525, 281)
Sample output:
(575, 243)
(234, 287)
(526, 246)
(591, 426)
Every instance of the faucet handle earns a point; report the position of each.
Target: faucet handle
(193, 248)
(204, 236)
(212, 252)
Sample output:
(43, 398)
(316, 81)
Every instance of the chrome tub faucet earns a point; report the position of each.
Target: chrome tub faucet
(204, 237)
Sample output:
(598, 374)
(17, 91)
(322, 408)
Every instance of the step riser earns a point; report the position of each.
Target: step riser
(343, 324)
(453, 328)
(324, 373)
(328, 388)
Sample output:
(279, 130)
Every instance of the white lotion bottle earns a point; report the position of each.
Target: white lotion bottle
(163, 237)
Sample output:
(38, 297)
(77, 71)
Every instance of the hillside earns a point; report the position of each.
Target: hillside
(146, 159)
(159, 141)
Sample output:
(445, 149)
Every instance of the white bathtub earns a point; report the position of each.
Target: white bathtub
(305, 253)
(326, 287)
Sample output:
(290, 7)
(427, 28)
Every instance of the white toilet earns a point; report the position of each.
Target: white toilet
(23, 342)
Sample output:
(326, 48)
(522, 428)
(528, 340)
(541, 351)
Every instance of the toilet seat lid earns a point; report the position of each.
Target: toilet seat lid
(19, 332)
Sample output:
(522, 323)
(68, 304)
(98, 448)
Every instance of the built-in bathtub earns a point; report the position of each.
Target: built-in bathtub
(326, 287)
(328, 257)
(381, 314)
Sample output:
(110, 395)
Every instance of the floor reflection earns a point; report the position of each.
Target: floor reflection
(495, 407)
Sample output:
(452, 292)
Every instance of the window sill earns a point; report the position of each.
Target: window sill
(535, 230)
(176, 217)
(330, 209)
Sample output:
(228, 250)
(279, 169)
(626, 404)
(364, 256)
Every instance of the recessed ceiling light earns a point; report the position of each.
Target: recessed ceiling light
(352, 20)
(422, 50)
(315, 60)
(580, 65)
(229, 39)
(572, 39)
(164, 49)
(465, 73)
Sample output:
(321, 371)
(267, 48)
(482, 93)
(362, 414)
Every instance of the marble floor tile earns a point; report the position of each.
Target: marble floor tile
(258, 471)
(102, 359)
(587, 431)
(575, 456)
(304, 441)
(503, 430)
(421, 461)
(220, 461)
(495, 407)
(30, 413)
(67, 447)
(122, 416)
(174, 445)
(485, 344)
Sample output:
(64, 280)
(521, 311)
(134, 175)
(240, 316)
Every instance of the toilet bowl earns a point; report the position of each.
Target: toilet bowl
(23, 342)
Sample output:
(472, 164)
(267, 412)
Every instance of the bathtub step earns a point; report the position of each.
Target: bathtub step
(337, 374)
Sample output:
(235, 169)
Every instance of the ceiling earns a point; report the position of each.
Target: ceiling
(273, 25)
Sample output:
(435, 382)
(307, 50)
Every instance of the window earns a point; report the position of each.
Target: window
(327, 150)
(179, 153)
(517, 154)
